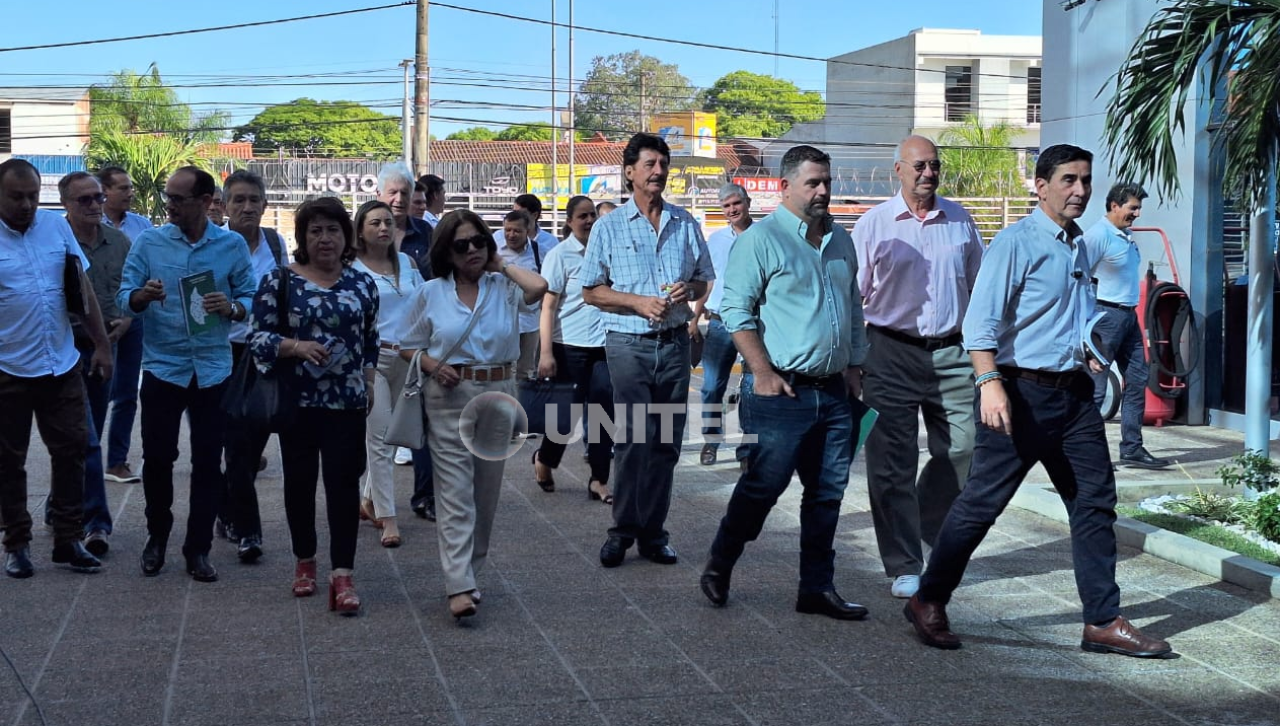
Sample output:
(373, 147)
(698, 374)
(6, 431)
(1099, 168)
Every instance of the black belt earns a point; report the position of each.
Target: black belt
(926, 343)
(1052, 379)
(665, 336)
(800, 380)
(714, 316)
(1117, 306)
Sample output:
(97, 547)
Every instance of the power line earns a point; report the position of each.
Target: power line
(193, 31)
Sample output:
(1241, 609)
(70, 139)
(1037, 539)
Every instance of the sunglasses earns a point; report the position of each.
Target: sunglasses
(177, 199)
(88, 200)
(920, 165)
(460, 246)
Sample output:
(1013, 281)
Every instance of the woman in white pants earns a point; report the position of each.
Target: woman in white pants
(396, 277)
(467, 359)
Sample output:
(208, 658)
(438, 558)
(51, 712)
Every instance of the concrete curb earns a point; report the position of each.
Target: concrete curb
(1178, 549)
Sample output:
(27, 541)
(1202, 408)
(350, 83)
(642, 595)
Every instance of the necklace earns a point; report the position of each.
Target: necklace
(389, 277)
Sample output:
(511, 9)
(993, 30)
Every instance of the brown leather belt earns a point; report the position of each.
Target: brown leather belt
(484, 374)
(389, 346)
(1052, 379)
(926, 343)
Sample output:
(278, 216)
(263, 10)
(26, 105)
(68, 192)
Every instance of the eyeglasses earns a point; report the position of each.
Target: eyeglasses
(176, 199)
(460, 246)
(919, 166)
(88, 200)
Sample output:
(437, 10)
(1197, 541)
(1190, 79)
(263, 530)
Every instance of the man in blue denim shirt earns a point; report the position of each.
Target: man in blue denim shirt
(644, 264)
(792, 304)
(183, 371)
(1024, 331)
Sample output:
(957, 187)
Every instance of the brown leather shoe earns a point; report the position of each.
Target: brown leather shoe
(1122, 637)
(931, 624)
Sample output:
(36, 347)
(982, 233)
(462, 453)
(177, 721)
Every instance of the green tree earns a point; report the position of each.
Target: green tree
(759, 106)
(980, 161)
(138, 123)
(623, 89)
(1236, 46)
(324, 128)
(538, 131)
(474, 133)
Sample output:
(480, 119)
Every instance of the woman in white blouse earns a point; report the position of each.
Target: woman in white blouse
(572, 344)
(396, 277)
(468, 447)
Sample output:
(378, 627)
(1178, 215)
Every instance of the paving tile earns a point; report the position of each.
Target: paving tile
(707, 710)
(813, 707)
(672, 677)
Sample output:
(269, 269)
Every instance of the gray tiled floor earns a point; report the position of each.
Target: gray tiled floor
(562, 641)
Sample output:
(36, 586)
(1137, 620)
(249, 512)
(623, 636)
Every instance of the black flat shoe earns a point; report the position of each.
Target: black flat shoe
(1143, 459)
(153, 556)
(250, 549)
(76, 557)
(614, 550)
(715, 583)
(18, 563)
(829, 603)
(661, 554)
(547, 485)
(200, 570)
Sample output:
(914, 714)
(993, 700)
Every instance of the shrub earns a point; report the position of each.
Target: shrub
(1266, 516)
(1212, 506)
(1253, 469)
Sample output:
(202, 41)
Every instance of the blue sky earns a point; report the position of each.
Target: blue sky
(476, 59)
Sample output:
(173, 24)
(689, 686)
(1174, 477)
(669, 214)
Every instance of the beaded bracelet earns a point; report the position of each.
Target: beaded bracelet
(987, 378)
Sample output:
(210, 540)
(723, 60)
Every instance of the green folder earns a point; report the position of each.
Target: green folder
(864, 418)
(193, 289)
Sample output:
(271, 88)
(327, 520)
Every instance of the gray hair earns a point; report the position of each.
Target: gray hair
(396, 171)
(728, 191)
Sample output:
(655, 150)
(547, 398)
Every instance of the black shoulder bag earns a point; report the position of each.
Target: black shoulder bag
(265, 401)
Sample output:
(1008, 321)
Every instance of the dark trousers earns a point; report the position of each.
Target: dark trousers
(97, 514)
(811, 435)
(328, 441)
(909, 502)
(424, 478)
(1120, 330)
(58, 405)
(1061, 429)
(118, 431)
(243, 447)
(647, 371)
(163, 404)
(588, 368)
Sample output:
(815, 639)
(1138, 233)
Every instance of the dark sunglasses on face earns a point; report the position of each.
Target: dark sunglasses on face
(920, 165)
(460, 246)
(88, 200)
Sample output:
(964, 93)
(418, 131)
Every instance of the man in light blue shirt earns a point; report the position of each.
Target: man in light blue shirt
(1116, 262)
(1024, 331)
(792, 304)
(185, 371)
(644, 264)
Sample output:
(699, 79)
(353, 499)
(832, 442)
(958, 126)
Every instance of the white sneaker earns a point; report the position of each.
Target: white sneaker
(905, 586)
(403, 456)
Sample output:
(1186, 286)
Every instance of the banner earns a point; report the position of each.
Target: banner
(600, 182)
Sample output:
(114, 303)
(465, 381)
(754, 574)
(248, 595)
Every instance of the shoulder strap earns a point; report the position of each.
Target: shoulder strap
(275, 243)
(537, 256)
(282, 301)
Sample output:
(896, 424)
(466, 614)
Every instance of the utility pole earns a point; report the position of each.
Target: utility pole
(555, 127)
(644, 119)
(573, 122)
(406, 122)
(422, 97)
(1257, 414)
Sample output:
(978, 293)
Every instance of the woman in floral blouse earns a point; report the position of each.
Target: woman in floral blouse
(333, 351)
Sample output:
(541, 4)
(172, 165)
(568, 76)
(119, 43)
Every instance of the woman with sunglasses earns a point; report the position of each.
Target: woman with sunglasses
(467, 359)
(572, 345)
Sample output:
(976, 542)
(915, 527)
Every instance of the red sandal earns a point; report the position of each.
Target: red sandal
(304, 578)
(342, 595)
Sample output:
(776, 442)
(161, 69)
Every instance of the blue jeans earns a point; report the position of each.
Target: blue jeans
(1120, 331)
(124, 395)
(646, 371)
(1061, 429)
(718, 355)
(811, 434)
(97, 514)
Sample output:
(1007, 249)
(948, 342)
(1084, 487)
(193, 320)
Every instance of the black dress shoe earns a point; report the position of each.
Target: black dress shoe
(18, 563)
(707, 456)
(614, 550)
(715, 583)
(661, 554)
(250, 549)
(200, 570)
(829, 603)
(153, 556)
(1143, 459)
(97, 543)
(76, 557)
(425, 509)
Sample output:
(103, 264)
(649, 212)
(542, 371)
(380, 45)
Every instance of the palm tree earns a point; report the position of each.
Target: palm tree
(150, 159)
(979, 161)
(1238, 43)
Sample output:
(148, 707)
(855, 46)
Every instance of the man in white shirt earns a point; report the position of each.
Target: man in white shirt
(516, 247)
(1116, 265)
(434, 187)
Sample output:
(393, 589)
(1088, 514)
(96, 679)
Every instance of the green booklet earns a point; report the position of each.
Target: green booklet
(194, 288)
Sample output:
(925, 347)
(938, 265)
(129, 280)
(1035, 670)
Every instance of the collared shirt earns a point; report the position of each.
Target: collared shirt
(132, 225)
(1033, 297)
(576, 323)
(626, 254)
(529, 314)
(164, 254)
(430, 219)
(545, 242)
(393, 294)
(916, 275)
(263, 260)
(718, 246)
(35, 332)
(804, 302)
(434, 318)
(1116, 263)
(417, 244)
(106, 254)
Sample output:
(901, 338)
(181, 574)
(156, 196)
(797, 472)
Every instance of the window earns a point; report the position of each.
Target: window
(6, 132)
(1033, 95)
(959, 92)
